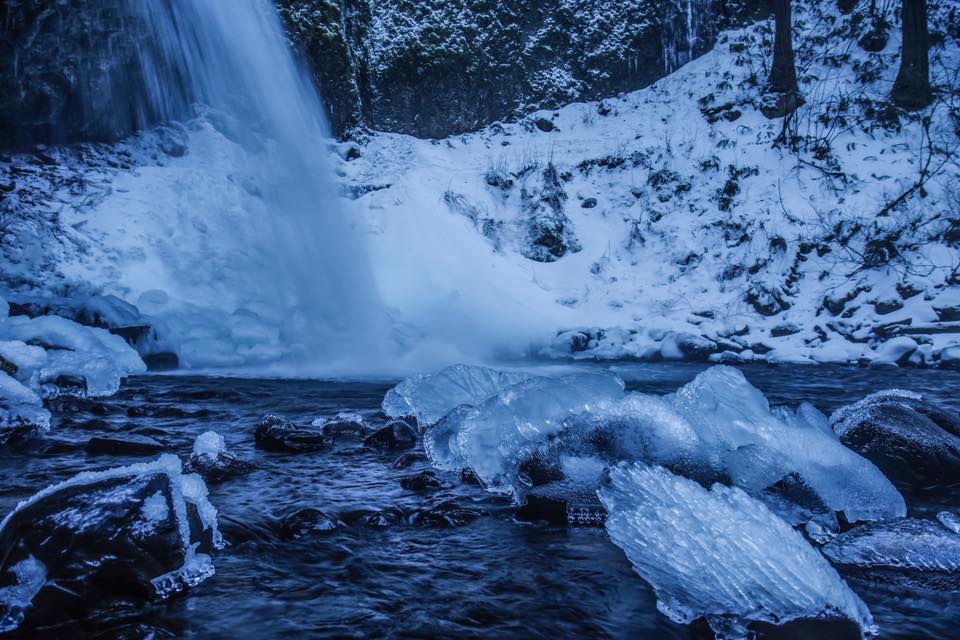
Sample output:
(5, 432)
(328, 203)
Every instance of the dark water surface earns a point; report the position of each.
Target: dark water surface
(493, 578)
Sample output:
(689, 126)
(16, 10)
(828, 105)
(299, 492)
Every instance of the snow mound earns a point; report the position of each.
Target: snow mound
(495, 437)
(20, 409)
(720, 554)
(429, 397)
(48, 348)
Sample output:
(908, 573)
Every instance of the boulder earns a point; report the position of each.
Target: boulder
(345, 430)
(446, 514)
(395, 436)
(912, 440)
(423, 481)
(127, 445)
(213, 462)
(283, 436)
(105, 541)
(307, 523)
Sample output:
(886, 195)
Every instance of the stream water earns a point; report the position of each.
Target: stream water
(494, 577)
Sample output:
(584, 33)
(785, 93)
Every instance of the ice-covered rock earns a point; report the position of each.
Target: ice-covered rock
(497, 436)
(950, 520)
(911, 552)
(280, 435)
(105, 540)
(21, 410)
(720, 554)
(914, 441)
(212, 461)
(757, 449)
(429, 397)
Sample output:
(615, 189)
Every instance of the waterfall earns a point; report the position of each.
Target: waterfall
(246, 275)
(687, 31)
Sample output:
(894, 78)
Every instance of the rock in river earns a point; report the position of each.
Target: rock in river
(281, 435)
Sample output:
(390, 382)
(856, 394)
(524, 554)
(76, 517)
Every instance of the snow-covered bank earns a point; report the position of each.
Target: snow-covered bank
(663, 224)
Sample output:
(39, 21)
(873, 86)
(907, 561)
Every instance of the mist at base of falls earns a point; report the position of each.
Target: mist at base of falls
(239, 250)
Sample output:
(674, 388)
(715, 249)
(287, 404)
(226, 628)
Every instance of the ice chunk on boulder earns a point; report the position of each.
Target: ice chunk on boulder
(429, 397)
(720, 554)
(757, 449)
(497, 436)
(911, 552)
(21, 410)
(914, 441)
(213, 462)
(103, 540)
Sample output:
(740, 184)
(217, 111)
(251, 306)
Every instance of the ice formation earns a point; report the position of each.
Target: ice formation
(950, 520)
(734, 421)
(429, 397)
(493, 437)
(46, 348)
(210, 444)
(913, 551)
(20, 408)
(716, 427)
(720, 554)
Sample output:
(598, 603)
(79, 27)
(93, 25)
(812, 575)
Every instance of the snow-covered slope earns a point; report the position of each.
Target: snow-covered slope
(665, 223)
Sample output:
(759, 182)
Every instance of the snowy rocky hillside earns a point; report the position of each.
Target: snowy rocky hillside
(672, 222)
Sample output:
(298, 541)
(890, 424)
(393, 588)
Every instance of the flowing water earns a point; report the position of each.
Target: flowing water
(494, 577)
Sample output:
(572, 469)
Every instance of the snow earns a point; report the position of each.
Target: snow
(210, 444)
(184, 489)
(429, 397)
(720, 554)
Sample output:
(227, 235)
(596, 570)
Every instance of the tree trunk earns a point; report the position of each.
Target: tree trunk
(912, 87)
(782, 91)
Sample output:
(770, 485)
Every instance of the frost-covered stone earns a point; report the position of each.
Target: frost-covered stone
(907, 551)
(105, 540)
(912, 440)
(21, 410)
(497, 436)
(280, 435)
(429, 397)
(213, 462)
(720, 554)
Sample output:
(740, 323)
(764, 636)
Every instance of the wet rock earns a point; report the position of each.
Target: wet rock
(308, 522)
(128, 445)
(912, 440)
(469, 476)
(407, 460)
(103, 542)
(563, 504)
(589, 203)
(283, 436)
(786, 329)
(909, 552)
(345, 430)
(382, 519)
(423, 481)
(213, 462)
(446, 514)
(165, 361)
(396, 436)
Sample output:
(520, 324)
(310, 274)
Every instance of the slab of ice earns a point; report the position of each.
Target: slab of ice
(20, 408)
(720, 554)
(96, 355)
(914, 551)
(30, 575)
(494, 437)
(210, 444)
(758, 449)
(429, 397)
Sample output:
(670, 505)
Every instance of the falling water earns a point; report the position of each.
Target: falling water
(302, 267)
(686, 31)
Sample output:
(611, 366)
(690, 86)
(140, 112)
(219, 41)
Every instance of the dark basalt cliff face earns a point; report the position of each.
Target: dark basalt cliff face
(429, 68)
